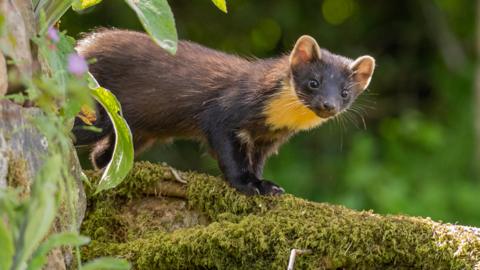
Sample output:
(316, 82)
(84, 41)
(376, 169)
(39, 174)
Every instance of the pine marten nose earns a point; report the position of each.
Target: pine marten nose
(328, 106)
(326, 109)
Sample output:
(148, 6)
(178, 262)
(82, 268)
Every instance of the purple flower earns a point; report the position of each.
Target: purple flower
(77, 64)
(53, 34)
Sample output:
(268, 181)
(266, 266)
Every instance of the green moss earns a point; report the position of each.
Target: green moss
(17, 175)
(104, 224)
(143, 177)
(259, 232)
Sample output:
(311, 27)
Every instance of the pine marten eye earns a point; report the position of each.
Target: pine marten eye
(344, 93)
(313, 84)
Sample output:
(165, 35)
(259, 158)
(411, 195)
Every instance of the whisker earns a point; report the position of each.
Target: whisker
(370, 93)
(362, 105)
(351, 118)
(359, 113)
(342, 128)
(364, 123)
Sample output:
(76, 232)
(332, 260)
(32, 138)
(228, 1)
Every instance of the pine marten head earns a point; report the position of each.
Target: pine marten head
(320, 86)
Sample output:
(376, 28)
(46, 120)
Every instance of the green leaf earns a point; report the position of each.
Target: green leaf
(6, 246)
(221, 4)
(35, 3)
(39, 258)
(9, 204)
(158, 21)
(83, 4)
(56, 60)
(53, 10)
(107, 263)
(122, 159)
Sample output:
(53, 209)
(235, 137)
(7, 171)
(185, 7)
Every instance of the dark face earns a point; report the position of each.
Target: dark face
(327, 83)
(326, 88)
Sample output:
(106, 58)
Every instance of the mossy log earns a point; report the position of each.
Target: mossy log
(156, 221)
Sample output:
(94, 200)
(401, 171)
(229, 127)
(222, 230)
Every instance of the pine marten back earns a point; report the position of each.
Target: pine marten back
(243, 109)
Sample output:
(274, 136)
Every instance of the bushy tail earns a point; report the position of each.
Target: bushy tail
(103, 141)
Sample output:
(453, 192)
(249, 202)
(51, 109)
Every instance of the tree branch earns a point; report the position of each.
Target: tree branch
(215, 227)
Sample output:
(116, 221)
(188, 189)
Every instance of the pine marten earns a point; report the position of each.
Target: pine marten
(243, 109)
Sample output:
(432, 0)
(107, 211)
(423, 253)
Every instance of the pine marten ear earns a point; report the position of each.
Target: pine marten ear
(362, 69)
(306, 50)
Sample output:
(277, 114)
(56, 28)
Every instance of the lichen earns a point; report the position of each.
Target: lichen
(17, 175)
(258, 232)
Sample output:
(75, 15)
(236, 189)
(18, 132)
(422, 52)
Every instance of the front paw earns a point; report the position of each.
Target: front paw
(270, 188)
(259, 187)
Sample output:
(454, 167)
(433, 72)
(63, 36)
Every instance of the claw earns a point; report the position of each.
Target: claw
(256, 190)
(270, 188)
(278, 190)
(260, 187)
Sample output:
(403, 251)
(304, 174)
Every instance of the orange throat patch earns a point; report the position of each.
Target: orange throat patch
(285, 110)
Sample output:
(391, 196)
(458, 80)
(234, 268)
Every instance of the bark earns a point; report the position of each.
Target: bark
(22, 150)
(18, 20)
(157, 222)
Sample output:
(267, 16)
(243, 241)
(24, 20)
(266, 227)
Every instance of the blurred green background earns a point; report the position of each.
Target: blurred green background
(411, 150)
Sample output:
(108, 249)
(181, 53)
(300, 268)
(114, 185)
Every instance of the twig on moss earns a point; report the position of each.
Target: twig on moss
(177, 176)
(293, 254)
